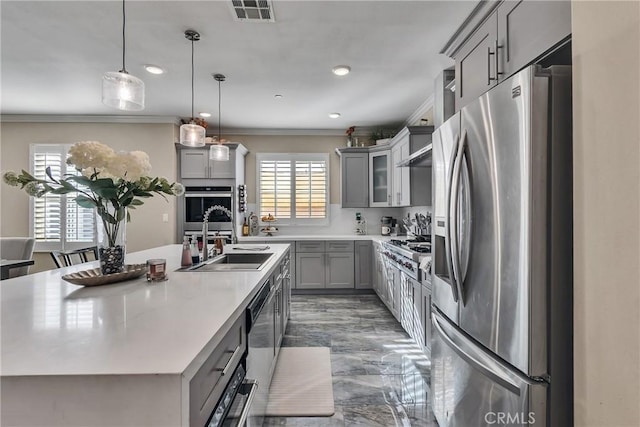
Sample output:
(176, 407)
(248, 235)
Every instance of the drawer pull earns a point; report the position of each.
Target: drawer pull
(228, 364)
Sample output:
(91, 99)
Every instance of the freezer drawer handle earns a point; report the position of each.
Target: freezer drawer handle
(487, 371)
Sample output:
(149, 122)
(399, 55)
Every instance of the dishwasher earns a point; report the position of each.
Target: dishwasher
(260, 350)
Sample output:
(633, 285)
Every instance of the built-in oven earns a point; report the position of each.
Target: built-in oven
(196, 201)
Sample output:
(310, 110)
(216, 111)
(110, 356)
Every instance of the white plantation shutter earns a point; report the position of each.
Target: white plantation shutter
(57, 221)
(311, 189)
(293, 187)
(275, 188)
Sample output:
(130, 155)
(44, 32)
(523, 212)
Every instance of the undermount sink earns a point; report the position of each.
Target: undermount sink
(232, 262)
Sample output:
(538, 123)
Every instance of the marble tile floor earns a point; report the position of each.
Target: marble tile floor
(380, 376)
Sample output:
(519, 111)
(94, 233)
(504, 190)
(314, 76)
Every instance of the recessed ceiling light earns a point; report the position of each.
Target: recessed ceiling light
(277, 96)
(334, 115)
(154, 69)
(341, 70)
(205, 115)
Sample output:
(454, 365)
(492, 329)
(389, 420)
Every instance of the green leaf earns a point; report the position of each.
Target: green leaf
(48, 172)
(128, 217)
(120, 214)
(85, 202)
(141, 193)
(136, 202)
(28, 175)
(102, 183)
(62, 190)
(82, 180)
(106, 192)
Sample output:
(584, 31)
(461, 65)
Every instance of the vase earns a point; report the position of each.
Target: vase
(349, 141)
(111, 227)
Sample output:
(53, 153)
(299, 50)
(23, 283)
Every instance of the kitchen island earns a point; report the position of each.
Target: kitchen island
(119, 354)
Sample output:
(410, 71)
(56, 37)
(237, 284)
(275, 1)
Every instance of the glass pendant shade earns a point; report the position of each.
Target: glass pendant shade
(219, 152)
(192, 135)
(122, 91)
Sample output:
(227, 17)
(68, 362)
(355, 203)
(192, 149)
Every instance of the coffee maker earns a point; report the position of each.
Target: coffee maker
(386, 223)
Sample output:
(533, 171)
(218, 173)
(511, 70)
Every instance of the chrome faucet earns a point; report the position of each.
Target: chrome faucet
(205, 228)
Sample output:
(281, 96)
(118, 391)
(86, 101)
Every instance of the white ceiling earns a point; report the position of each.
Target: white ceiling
(53, 55)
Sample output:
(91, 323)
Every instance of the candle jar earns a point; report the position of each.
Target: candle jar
(156, 270)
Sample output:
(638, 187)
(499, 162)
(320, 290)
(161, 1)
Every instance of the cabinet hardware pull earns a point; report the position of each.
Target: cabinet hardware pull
(228, 364)
(496, 61)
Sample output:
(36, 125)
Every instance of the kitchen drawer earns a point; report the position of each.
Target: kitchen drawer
(340, 246)
(209, 382)
(310, 246)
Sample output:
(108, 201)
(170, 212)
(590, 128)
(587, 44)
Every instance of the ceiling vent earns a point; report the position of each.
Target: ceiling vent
(253, 10)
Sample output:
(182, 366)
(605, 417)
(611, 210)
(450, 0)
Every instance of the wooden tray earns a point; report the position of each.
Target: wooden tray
(94, 276)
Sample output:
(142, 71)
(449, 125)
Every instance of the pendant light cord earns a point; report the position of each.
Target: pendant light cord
(124, 48)
(192, 77)
(219, 111)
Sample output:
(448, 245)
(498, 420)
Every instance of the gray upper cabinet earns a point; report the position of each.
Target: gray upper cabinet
(224, 169)
(527, 29)
(411, 185)
(364, 264)
(354, 178)
(476, 64)
(194, 163)
(513, 35)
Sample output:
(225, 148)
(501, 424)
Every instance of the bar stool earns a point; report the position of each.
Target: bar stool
(73, 257)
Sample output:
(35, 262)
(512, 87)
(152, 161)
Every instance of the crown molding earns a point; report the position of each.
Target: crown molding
(477, 16)
(360, 131)
(55, 118)
(420, 112)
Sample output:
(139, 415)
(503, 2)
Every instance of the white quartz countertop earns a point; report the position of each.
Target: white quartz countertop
(297, 237)
(51, 327)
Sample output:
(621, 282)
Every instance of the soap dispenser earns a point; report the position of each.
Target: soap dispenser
(186, 253)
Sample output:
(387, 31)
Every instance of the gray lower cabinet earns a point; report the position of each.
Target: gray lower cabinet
(340, 266)
(364, 266)
(310, 270)
(325, 265)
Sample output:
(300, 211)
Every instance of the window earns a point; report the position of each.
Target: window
(56, 221)
(293, 187)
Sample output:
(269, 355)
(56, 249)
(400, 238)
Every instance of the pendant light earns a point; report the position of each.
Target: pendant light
(120, 89)
(192, 134)
(218, 150)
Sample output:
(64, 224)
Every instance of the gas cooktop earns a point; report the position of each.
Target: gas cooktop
(422, 245)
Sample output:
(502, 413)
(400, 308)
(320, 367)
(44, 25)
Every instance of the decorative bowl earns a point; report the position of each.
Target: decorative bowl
(94, 277)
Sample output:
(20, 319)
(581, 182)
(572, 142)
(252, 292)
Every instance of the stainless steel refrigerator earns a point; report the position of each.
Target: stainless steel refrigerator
(502, 280)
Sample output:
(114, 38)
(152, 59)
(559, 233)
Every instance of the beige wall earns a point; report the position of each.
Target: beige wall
(292, 144)
(606, 57)
(146, 228)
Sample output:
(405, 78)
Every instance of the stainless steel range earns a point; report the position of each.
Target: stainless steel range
(406, 255)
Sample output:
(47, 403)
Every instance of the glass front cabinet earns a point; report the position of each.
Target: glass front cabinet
(380, 178)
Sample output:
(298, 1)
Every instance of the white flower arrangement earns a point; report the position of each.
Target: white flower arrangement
(110, 182)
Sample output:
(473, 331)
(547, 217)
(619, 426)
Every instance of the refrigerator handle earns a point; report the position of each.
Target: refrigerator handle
(447, 226)
(453, 216)
(478, 360)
